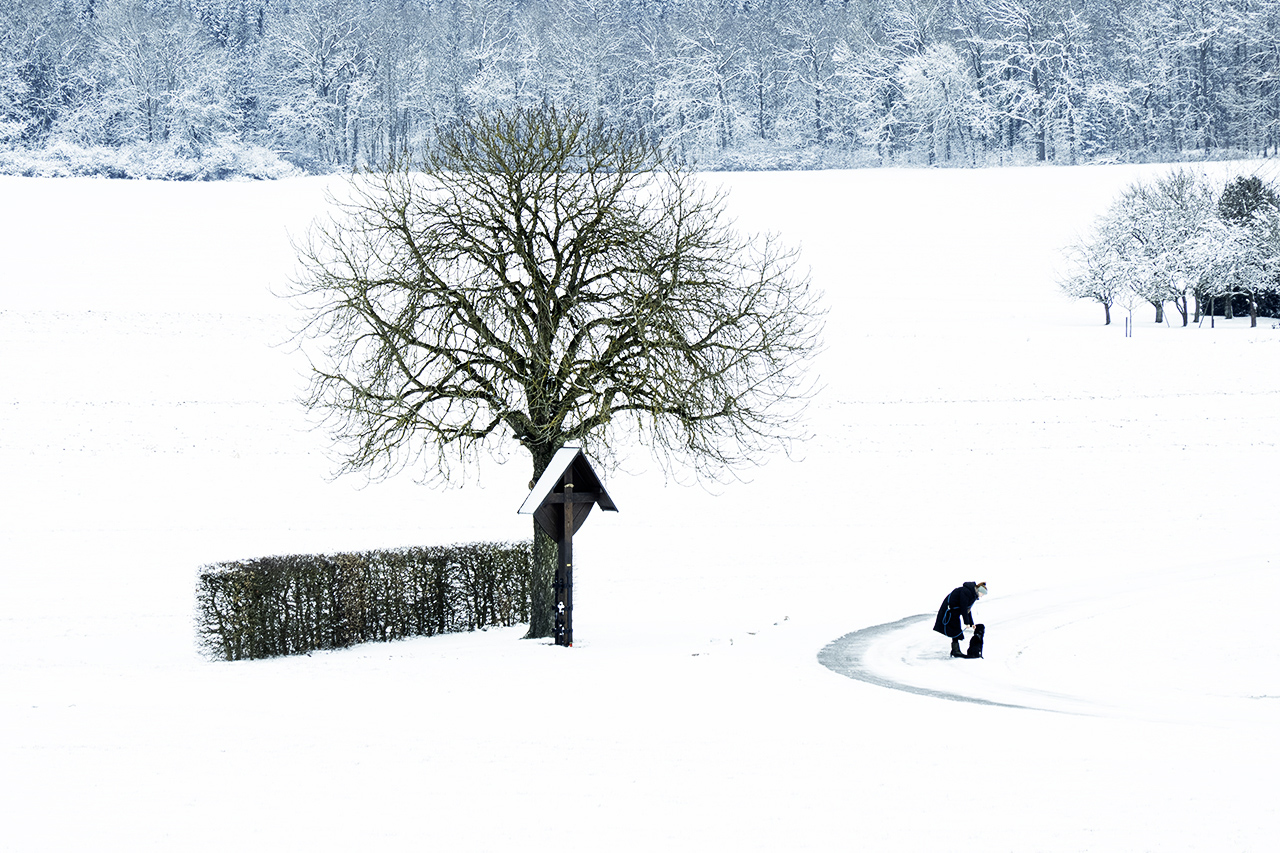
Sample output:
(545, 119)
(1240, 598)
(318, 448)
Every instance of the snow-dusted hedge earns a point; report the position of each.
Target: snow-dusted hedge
(224, 160)
(294, 604)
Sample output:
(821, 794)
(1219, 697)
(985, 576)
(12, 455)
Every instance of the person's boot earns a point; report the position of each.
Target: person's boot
(955, 648)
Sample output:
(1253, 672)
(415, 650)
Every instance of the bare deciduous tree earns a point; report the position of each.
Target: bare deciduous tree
(546, 278)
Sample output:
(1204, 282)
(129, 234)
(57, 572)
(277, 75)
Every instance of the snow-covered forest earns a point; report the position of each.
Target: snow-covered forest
(330, 84)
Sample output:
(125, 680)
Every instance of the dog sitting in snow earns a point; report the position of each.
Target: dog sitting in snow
(975, 642)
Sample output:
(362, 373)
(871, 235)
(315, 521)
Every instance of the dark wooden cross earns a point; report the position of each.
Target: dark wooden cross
(560, 502)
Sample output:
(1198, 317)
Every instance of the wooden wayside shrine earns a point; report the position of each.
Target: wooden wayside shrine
(560, 502)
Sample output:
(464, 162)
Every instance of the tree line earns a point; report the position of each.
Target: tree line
(331, 84)
(1186, 241)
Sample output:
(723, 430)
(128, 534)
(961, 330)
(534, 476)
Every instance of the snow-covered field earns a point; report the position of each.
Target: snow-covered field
(1117, 494)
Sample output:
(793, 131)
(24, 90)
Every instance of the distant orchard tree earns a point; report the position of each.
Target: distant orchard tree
(1154, 226)
(545, 278)
(1247, 244)
(1098, 272)
(1244, 197)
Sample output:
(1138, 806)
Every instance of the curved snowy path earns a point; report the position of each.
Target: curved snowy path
(1183, 647)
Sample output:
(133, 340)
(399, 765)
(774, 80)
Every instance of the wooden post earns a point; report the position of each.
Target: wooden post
(556, 486)
(564, 571)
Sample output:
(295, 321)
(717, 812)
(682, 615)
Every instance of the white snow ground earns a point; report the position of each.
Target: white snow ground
(1116, 494)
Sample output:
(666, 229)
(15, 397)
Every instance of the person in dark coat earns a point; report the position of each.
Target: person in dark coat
(957, 608)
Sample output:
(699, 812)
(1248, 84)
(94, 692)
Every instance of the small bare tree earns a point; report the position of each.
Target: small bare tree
(1097, 272)
(542, 277)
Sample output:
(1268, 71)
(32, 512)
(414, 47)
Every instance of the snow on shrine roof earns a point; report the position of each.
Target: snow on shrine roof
(550, 478)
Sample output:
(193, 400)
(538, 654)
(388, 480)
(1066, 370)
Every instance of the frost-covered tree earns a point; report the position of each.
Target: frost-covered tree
(1242, 249)
(1156, 223)
(941, 110)
(707, 71)
(1037, 53)
(46, 56)
(1244, 198)
(488, 52)
(586, 43)
(1098, 271)
(160, 76)
(1254, 28)
(320, 76)
(1150, 245)
(812, 38)
(762, 68)
(873, 94)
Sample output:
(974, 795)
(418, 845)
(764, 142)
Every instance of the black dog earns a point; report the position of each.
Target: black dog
(975, 642)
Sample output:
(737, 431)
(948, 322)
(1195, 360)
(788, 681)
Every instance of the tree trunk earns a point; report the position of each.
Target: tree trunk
(542, 596)
(1106, 307)
(546, 554)
(1181, 304)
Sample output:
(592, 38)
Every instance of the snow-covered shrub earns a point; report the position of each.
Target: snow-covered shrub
(294, 604)
(771, 155)
(173, 161)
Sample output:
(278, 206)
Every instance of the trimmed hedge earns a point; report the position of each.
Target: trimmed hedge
(295, 604)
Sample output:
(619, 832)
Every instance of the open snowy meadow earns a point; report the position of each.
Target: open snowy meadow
(754, 667)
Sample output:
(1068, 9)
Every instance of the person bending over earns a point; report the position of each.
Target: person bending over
(957, 611)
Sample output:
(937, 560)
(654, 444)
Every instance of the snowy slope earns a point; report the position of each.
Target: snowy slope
(1116, 494)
